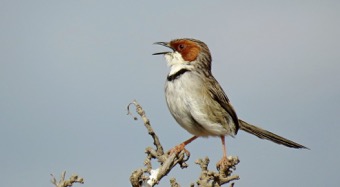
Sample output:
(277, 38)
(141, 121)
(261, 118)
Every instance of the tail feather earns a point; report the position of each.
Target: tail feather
(263, 134)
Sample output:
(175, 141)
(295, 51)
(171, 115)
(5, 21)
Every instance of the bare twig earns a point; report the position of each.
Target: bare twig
(66, 183)
(212, 178)
(150, 177)
(167, 162)
(147, 124)
(174, 183)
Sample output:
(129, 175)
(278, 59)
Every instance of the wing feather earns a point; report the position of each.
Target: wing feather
(221, 98)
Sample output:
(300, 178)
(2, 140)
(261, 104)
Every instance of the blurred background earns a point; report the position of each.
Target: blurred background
(68, 69)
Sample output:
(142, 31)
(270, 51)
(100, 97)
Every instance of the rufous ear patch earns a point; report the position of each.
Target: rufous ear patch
(188, 49)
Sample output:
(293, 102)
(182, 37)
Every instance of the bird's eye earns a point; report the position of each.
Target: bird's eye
(181, 46)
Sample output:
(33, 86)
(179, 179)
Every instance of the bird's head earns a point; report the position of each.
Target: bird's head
(187, 51)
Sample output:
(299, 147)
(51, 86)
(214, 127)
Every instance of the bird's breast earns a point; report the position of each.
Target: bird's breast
(193, 108)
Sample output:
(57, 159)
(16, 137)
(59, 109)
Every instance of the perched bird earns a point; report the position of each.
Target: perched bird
(197, 101)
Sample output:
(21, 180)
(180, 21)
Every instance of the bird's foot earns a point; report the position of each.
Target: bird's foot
(223, 164)
(177, 149)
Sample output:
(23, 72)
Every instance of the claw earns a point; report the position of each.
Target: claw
(179, 148)
(223, 164)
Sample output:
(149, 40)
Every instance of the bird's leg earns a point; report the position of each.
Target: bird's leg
(177, 149)
(224, 147)
(224, 161)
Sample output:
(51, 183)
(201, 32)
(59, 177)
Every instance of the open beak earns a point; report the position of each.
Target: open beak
(165, 44)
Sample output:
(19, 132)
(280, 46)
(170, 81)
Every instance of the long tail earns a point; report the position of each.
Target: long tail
(263, 134)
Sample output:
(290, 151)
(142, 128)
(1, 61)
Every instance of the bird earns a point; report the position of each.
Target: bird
(197, 101)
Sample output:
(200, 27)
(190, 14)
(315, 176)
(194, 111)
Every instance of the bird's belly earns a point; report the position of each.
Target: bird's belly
(187, 107)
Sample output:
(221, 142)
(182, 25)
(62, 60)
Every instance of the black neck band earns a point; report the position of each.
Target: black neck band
(177, 74)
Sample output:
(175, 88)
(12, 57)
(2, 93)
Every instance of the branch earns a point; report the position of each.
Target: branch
(66, 183)
(147, 124)
(150, 177)
(223, 176)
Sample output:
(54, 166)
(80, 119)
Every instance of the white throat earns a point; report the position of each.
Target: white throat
(176, 62)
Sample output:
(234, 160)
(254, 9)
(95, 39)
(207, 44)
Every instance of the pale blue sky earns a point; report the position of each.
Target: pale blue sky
(68, 69)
